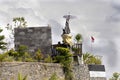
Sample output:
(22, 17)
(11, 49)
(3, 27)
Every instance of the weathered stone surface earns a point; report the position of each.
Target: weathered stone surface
(81, 72)
(34, 38)
(34, 70)
(42, 71)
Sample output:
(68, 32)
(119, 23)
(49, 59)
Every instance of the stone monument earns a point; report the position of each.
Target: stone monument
(67, 38)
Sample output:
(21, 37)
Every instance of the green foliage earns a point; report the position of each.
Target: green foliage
(20, 77)
(8, 56)
(53, 77)
(27, 57)
(68, 74)
(64, 56)
(2, 43)
(13, 53)
(38, 55)
(30, 60)
(48, 59)
(91, 59)
(116, 76)
(22, 50)
(78, 37)
(20, 55)
(19, 22)
(65, 59)
(3, 56)
(8, 59)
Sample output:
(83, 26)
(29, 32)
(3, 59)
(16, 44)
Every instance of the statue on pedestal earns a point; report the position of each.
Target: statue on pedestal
(67, 38)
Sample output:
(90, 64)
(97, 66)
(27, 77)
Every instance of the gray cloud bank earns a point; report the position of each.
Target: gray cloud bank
(98, 18)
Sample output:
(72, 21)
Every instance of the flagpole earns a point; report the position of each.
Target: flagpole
(91, 46)
(92, 41)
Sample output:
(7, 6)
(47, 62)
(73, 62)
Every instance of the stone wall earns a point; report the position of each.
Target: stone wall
(42, 71)
(34, 70)
(81, 72)
(34, 38)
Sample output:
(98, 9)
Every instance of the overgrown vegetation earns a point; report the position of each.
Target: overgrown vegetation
(115, 76)
(65, 59)
(20, 77)
(48, 59)
(2, 43)
(91, 59)
(22, 55)
(38, 55)
(19, 22)
(54, 77)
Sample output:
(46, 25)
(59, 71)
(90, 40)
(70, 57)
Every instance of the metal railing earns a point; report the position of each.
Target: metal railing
(76, 49)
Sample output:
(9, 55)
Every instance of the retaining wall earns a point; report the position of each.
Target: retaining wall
(42, 71)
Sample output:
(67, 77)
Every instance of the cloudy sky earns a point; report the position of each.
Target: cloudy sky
(98, 18)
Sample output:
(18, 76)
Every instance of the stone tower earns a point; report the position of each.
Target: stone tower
(34, 38)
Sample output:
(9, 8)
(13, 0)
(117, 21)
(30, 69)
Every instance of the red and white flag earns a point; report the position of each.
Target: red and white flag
(92, 39)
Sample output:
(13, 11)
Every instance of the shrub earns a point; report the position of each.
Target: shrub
(8, 59)
(78, 37)
(21, 50)
(20, 55)
(29, 60)
(12, 52)
(53, 77)
(65, 59)
(91, 59)
(38, 55)
(3, 56)
(64, 56)
(48, 59)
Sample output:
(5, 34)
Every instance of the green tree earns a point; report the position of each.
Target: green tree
(2, 43)
(64, 55)
(65, 59)
(115, 76)
(19, 22)
(78, 37)
(91, 59)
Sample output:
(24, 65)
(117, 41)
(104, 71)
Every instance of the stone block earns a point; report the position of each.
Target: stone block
(37, 37)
